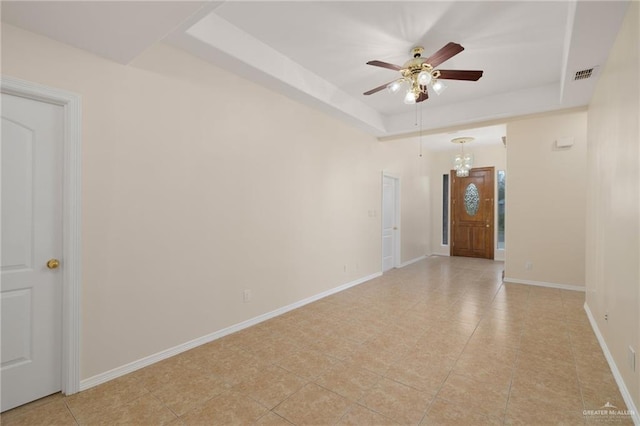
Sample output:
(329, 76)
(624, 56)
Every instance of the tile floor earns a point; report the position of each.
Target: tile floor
(441, 341)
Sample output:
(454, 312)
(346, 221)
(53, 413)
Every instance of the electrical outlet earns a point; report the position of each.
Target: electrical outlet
(246, 296)
(528, 265)
(606, 316)
(632, 359)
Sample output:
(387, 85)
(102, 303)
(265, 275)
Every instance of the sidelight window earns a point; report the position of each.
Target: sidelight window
(501, 208)
(445, 210)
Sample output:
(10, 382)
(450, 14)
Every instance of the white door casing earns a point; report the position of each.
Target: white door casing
(25, 277)
(390, 221)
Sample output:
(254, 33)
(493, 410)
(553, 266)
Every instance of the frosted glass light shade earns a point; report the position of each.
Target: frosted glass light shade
(438, 87)
(409, 98)
(395, 86)
(424, 78)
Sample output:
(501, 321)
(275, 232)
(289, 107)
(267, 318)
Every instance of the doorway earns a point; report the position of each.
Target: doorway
(41, 244)
(390, 221)
(472, 214)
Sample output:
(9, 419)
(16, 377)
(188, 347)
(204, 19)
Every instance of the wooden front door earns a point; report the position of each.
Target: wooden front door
(472, 228)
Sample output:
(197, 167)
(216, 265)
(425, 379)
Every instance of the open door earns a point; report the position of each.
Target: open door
(472, 226)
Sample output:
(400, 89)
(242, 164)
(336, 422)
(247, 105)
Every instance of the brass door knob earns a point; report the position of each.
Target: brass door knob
(53, 263)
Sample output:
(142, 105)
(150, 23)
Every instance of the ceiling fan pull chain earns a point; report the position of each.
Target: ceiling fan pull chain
(420, 138)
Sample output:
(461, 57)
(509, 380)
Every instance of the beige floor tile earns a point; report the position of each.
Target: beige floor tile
(551, 351)
(235, 368)
(499, 329)
(272, 419)
(92, 404)
(485, 369)
(527, 413)
(249, 336)
(166, 371)
(545, 390)
(377, 363)
(421, 370)
(273, 349)
(230, 408)
(591, 364)
(201, 357)
(335, 347)
(308, 364)
(443, 412)
(441, 343)
(52, 412)
(529, 365)
(503, 355)
(145, 410)
(348, 380)
(488, 397)
(359, 415)
(189, 390)
(397, 401)
(454, 324)
(354, 331)
(301, 336)
(585, 348)
(313, 405)
(270, 386)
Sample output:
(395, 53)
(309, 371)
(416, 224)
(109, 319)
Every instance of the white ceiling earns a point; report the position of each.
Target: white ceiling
(316, 51)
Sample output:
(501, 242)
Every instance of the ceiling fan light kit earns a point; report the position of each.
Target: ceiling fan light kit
(418, 74)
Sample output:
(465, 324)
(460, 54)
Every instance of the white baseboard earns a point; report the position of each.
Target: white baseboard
(544, 284)
(409, 262)
(152, 359)
(631, 407)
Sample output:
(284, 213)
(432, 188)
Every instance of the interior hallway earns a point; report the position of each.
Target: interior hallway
(441, 341)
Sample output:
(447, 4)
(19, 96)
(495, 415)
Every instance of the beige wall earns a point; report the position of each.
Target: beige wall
(546, 200)
(441, 164)
(613, 209)
(402, 158)
(198, 184)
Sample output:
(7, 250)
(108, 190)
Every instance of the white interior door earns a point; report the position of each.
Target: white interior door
(31, 291)
(389, 223)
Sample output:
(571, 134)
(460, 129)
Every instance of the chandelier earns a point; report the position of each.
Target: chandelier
(462, 161)
(417, 76)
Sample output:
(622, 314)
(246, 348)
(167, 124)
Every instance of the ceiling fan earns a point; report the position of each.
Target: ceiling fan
(418, 73)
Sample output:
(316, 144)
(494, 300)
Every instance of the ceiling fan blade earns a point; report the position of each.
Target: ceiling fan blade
(385, 65)
(447, 52)
(377, 89)
(460, 75)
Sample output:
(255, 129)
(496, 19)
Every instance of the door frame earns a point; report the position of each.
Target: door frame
(71, 218)
(396, 208)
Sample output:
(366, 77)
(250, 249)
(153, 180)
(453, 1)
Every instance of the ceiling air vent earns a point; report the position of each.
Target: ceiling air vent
(581, 75)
